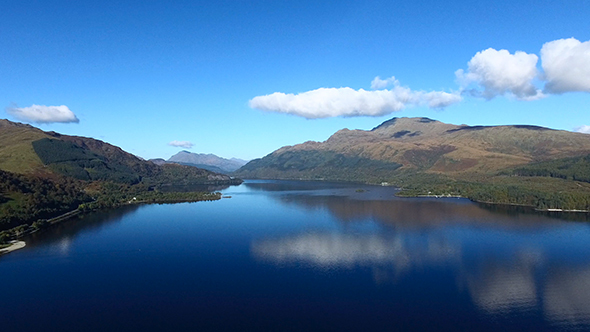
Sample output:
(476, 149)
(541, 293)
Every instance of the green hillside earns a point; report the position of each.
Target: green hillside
(318, 165)
(71, 160)
(576, 169)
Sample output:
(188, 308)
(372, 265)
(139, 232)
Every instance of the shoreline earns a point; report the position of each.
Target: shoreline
(16, 245)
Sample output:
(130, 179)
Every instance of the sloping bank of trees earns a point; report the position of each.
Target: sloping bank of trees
(29, 203)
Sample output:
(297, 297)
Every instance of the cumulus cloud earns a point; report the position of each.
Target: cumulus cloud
(583, 129)
(181, 144)
(500, 73)
(566, 63)
(348, 102)
(490, 73)
(43, 114)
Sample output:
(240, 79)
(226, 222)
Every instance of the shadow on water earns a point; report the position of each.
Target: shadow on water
(289, 186)
(72, 227)
(421, 212)
(513, 210)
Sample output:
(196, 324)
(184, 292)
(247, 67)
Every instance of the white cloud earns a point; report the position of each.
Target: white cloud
(583, 129)
(378, 83)
(566, 63)
(490, 73)
(43, 114)
(347, 102)
(499, 73)
(181, 144)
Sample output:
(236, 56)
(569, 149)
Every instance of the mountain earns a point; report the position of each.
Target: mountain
(426, 156)
(207, 161)
(25, 149)
(158, 161)
(43, 174)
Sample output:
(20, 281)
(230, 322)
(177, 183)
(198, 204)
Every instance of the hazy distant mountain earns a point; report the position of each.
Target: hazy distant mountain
(207, 161)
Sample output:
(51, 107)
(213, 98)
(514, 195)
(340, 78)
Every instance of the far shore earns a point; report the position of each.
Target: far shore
(14, 246)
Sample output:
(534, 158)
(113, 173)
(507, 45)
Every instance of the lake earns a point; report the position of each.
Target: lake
(303, 256)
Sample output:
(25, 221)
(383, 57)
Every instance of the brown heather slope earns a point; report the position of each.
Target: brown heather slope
(426, 146)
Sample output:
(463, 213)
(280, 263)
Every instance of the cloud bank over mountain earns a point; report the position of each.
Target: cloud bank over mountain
(43, 114)
(490, 73)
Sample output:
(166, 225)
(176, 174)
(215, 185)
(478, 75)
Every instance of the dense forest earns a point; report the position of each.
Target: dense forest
(576, 169)
(319, 165)
(24, 199)
(542, 193)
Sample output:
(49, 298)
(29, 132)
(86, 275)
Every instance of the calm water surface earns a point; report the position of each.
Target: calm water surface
(282, 256)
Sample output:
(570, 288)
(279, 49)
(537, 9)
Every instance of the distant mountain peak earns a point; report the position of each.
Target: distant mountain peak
(207, 161)
(387, 123)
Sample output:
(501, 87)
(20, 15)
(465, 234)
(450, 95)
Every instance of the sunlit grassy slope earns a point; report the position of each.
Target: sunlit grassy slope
(16, 150)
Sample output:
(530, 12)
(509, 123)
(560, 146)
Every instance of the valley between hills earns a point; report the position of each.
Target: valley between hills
(46, 174)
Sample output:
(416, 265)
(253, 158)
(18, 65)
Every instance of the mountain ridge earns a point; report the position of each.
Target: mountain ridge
(433, 146)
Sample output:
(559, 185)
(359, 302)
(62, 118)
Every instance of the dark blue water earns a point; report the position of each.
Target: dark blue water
(297, 256)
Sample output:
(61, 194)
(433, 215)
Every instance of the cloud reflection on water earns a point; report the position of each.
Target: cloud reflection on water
(503, 286)
(497, 285)
(333, 250)
(567, 296)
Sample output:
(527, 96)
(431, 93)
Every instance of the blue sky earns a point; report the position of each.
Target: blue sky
(243, 78)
